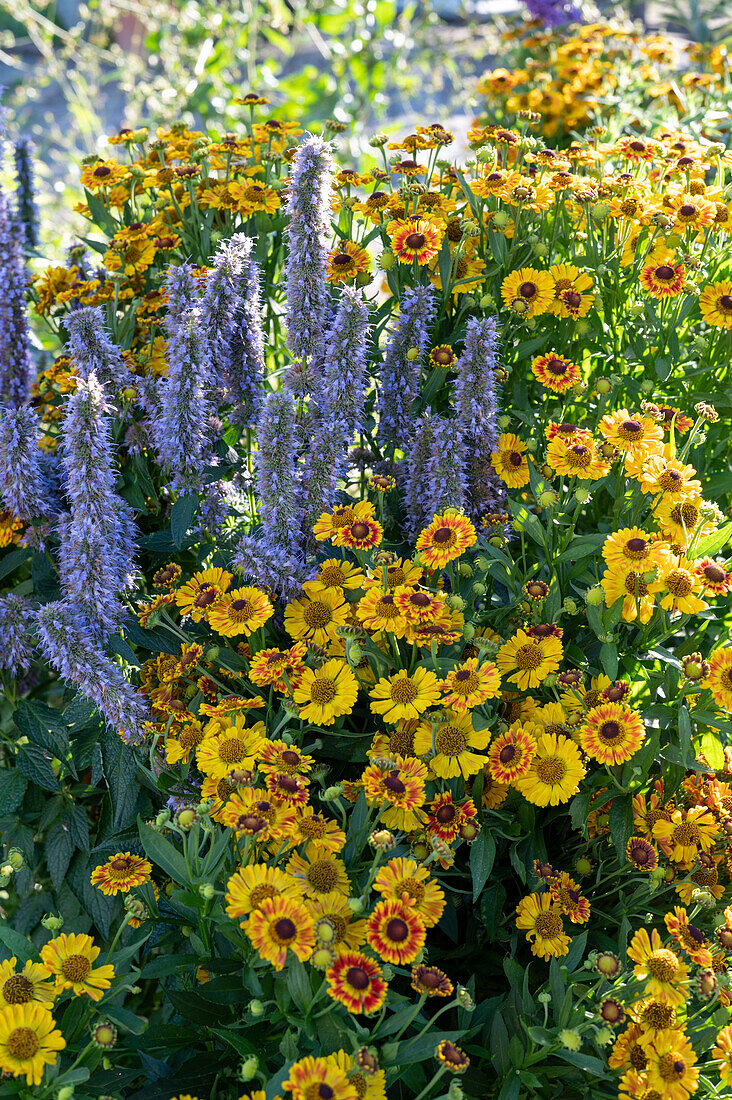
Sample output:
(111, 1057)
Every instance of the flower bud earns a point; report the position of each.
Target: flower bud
(53, 924)
(548, 498)
(412, 354)
(386, 260)
(207, 891)
(248, 1068)
(595, 596)
(16, 859)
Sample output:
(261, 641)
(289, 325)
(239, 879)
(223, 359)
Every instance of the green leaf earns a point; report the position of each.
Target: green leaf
(15, 944)
(621, 823)
(162, 853)
(482, 855)
(120, 768)
(714, 542)
(11, 561)
(582, 1061)
(181, 517)
(12, 788)
(609, 659)
(58, 850)
(42, 726)
(238, 1042)
(581, 547)
(35, 764)
(712, 749)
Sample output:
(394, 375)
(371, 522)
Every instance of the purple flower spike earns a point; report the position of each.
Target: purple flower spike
(68, 647)
(97, 538)
(308, 206)
(14, 342)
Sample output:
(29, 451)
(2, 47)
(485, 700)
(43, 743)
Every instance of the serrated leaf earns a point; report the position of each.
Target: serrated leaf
(181, 517)
(13, 786)
(58, 850)
(35, 764)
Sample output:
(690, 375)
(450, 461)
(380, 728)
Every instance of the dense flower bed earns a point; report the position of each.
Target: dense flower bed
(367, 680)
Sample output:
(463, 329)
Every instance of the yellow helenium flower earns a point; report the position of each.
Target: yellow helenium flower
(326, 693)
(715, 302)
(229, 747)
(315, 617)
(29, 984)
(445, 539)
(719, 680)
(404, 696)
(554, 773)
(510, 461)
(528, 292)
(29, 1041)
(662, 970)
(69, 959)
(526, 661)
(540, 918)
(687, 832)
(241, 611)
(452, 743)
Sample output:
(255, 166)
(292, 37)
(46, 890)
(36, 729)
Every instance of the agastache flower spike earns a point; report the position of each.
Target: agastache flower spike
(16, 616)
(445, 468)
(405, 350)
(276, 473)
(71, 650)
(14, 341)
(232, 310)
(341, 398)
(553, 13)
(269, 565)
(27, 211)
(24, 487)
(414, 475)
(476, 410)
(308, 206)
(91, 349)
(97, 539)
(183, 439)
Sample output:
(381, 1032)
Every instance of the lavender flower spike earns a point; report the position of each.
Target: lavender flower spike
(16, 616)
(247, 367)
(14, 341)
(414, 471)
(341, 399)
(476, 411)
(24, 488)
(183, 441)
(276, 473)
(445, 480)
(27, 211)
(97, 539)
(308, 207)
(400, 372)
(267, 564)
(232, 311)
(91, 349)
(68, 647)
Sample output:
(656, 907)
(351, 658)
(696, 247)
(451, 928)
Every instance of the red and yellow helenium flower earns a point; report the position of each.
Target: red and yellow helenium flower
(121, 873)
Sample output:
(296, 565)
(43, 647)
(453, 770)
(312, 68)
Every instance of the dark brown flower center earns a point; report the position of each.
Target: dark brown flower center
(397, 930)
(357, 977)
